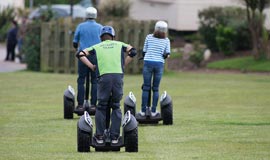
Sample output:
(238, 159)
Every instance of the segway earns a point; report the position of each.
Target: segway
(166, 108)
(129, 138)
(69, 102)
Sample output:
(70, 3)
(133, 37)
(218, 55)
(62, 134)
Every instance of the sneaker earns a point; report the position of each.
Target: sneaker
(79, 108)
(142, 113)
(115, 140)
(93, 107)
(153, 114)
(99, 139)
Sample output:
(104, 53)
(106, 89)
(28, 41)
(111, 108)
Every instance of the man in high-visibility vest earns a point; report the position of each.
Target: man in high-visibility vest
(110, 72)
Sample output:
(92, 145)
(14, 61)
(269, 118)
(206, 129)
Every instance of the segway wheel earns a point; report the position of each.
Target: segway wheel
(68, 108)
(167, 115)
(83, 140)
(131, 140)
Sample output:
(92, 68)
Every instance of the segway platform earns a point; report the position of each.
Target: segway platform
(148, 118)
(129, 138)
(107, 145)
(166, 108)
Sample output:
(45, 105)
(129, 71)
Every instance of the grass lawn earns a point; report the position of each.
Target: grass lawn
(242, 63)
(216, 116)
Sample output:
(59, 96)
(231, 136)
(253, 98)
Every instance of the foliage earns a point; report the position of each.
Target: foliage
(32, 40)
(216, 117)
(47, 15)
(197, 55)
(115, 8)
(6, 16)
(256, 19)
(232, 17)
(31, 46)
(242, 64)
(226, 39)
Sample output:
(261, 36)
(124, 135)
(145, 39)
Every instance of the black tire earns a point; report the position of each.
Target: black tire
(167, 115)
(132, 110)
(83, 140)
(68, 108)
(131, 140)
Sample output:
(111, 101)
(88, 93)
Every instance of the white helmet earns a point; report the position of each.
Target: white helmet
(161, 26)
(91, 12)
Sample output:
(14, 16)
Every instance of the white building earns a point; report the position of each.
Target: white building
(180, 14)
(11, 3)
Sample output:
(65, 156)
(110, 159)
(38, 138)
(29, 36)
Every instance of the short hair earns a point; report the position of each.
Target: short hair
(15, 23)
(106, 36)
(159, 34)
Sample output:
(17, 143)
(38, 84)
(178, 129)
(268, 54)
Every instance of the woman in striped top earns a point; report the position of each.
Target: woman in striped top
(156, 49)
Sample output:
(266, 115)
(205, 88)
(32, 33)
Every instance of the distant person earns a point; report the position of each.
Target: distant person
(110, 66)
(156, 49)
(21, 35)
(86, 35)
(12, 41)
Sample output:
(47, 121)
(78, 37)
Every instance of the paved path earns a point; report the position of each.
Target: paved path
(8, 66)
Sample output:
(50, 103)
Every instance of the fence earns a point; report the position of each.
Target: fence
(58, 54)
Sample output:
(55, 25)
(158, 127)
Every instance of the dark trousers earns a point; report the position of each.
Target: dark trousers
(11, 51)
(82, 72)
(110, 93)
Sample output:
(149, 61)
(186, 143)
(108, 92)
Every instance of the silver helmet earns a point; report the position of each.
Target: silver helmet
(91, 12)
(161, 26)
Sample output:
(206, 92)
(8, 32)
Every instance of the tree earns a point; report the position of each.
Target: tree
(255, 17)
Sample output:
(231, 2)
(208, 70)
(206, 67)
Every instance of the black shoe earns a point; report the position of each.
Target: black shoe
(99, 139)
(79, 109)
(93, 107)
(115, 140)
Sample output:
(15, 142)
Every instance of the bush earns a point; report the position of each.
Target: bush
(226, 40)
(232, 17)
(115, 8)
(6, 15)
(31, 47)
(196, 57)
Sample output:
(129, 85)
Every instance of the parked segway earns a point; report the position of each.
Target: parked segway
(166, 110)
(129, 138)
(69, 102)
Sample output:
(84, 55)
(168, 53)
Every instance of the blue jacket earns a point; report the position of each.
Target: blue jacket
(12, 36)
(87, 34)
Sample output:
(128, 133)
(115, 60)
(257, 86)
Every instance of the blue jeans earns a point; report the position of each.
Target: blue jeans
(155, 70)
(82, 71)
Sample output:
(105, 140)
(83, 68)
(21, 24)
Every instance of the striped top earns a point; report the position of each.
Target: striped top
(154, 48)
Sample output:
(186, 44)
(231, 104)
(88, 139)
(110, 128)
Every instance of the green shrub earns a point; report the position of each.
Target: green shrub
(226, 40)
(31, 47)
(6, 15)
(232, 17)
(115, 8)
(196, 57)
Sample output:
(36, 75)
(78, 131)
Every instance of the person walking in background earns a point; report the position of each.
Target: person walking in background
(86, 35)
(156, 49)
(12, 41)
(110, 70)
(21, 35)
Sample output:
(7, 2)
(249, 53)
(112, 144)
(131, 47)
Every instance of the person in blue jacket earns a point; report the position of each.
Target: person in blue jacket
(86, 35)
(156, 49)
(12, 42)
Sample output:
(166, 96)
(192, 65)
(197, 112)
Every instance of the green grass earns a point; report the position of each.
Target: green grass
(243, 64)
(219, 116)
